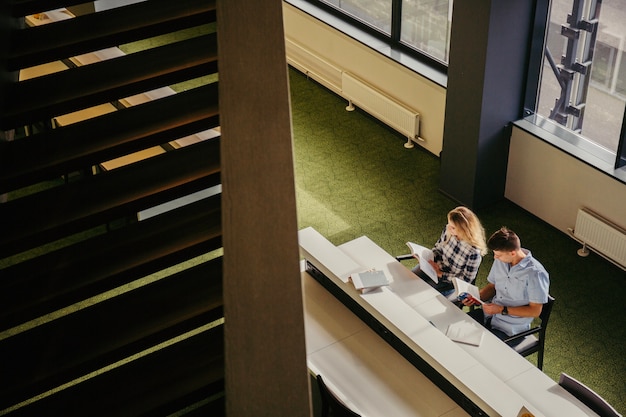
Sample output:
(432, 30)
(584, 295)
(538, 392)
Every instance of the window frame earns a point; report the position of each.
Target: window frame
(351, 26)
(567, 141)
(576, 145)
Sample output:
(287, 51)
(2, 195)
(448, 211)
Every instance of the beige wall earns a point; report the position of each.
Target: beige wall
(552, 185)
(404, 85)
(542, 179)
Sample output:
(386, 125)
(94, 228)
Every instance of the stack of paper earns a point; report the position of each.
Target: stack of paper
(466, 332)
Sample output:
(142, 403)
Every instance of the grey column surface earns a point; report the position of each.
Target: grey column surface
(486, 81)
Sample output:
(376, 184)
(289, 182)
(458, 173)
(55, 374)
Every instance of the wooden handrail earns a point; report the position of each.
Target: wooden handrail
(113, 27)
(51, 214)
(34, 287)
(108, 331)
(58, 151)
(108, 80)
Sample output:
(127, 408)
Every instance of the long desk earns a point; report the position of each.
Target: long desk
(489, 379)
(378, 381)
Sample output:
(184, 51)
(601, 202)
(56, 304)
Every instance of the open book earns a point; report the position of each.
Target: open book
(461, 286)
(368, 280)
(423, 255)
(466, 332)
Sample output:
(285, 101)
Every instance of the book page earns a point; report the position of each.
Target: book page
(465, 332)
(415, 248)
(423, 255)
(461, 286)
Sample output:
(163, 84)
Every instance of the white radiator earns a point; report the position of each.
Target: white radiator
(381, 106)
(313, 66)
(600, 235)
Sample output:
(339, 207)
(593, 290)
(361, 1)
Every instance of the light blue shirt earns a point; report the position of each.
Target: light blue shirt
(527, 282)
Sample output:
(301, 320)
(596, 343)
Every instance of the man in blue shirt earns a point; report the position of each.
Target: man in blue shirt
(517, 289)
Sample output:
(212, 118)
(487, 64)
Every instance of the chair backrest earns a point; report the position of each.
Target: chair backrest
(331, 405)
(587, 396)
(545, 313)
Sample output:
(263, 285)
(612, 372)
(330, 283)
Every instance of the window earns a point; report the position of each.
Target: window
(576, 88)
(374, 13)
(582, 88)
(423, 26)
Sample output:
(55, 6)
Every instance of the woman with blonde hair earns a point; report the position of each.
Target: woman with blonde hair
(459, 250)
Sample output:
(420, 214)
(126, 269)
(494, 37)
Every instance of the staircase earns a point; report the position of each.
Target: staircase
(102, 314)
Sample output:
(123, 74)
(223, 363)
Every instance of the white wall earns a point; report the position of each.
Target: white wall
(552, 185)
(407, 87)
(541, 178)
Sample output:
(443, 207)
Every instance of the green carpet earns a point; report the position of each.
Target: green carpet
(354, 177)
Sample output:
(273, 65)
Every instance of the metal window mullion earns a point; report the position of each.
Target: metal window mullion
(396, 20)
(620, 157)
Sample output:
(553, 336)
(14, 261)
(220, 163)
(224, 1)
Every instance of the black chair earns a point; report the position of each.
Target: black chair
(587, 396)
(533, 340)
(405, 257)
(331, 405)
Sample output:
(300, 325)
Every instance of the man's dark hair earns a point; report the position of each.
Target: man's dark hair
(504, 240)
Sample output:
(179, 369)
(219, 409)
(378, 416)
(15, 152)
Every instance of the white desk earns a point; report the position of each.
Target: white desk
(362, 369)
(433, 307)
(493, 376)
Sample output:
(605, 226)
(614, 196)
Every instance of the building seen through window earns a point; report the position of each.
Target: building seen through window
(583, 83)
(426, 27)
(578, 87)
(374, 13)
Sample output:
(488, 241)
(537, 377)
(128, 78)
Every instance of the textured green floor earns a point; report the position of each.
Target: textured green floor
(354, 178)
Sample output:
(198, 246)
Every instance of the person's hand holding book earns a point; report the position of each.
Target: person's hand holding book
(435, 267)
(468, 299)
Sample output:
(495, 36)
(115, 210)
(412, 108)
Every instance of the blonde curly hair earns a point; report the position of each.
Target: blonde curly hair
(468, 227)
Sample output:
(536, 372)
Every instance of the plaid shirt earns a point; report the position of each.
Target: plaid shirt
(456, 258)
